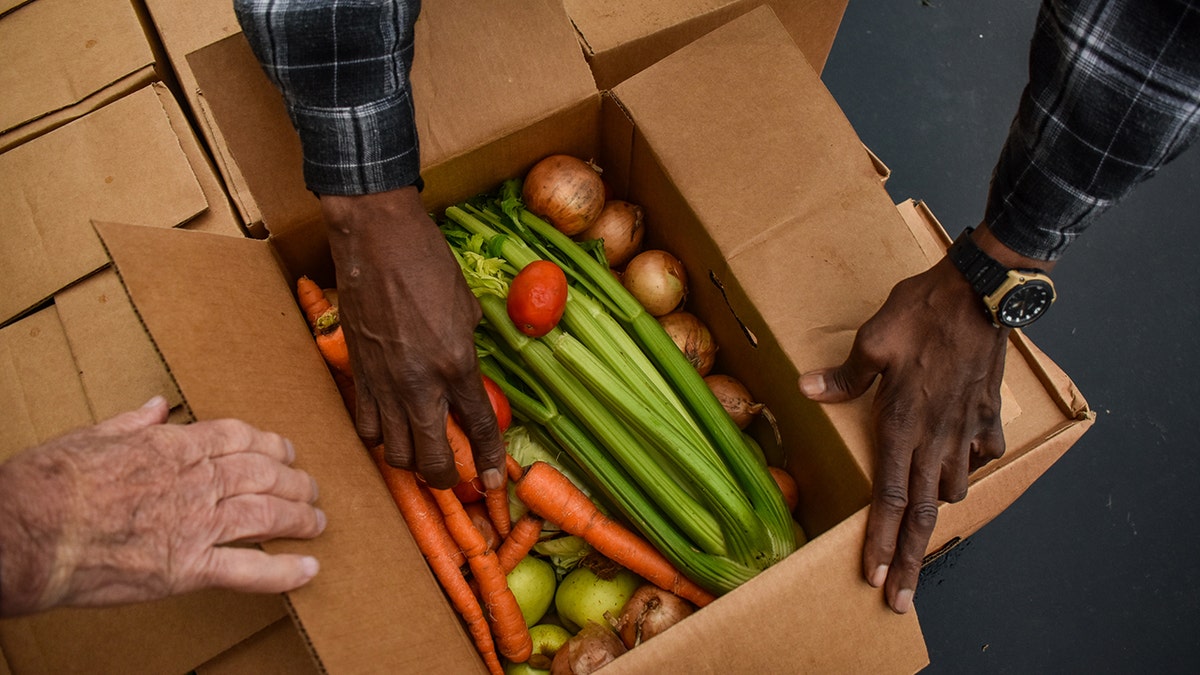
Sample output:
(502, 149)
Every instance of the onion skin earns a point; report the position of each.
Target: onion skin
(693, 338)
(787, 486)
(567, 191)
(735, 398)
(620, 227)
(658, 281)
(592, 648)
(650, 611)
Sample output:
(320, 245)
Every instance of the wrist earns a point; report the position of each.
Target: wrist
(988, 242)
(30, 532)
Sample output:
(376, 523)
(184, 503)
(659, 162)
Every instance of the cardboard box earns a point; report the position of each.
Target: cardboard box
(624, 37)
(750, 173)
(135, 160)
(277, 649)
(65, 58)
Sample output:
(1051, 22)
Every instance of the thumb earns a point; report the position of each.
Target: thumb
(833, 385)
(152, 412)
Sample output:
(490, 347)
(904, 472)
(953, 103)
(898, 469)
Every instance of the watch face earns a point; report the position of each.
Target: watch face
(1024, 304)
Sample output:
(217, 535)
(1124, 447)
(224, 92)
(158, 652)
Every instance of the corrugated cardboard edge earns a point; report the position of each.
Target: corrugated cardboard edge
(277, 649)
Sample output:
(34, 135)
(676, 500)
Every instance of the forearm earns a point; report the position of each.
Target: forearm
(343, 70)
(1112, 97)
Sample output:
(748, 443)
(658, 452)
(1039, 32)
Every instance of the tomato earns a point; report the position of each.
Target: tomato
(499, 403)
(537, 298)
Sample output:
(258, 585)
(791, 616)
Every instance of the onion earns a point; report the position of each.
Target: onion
(693, 339)
(620, 227)
(650, 611)
(566, 191)
(658, 281)
(735, 398)
(592, 648)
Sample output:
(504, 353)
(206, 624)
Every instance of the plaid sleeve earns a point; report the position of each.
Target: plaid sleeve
(343, 69)
(1113, 95)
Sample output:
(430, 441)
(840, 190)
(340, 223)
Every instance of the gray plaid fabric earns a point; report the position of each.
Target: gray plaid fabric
(1113, 95)
(343, 68)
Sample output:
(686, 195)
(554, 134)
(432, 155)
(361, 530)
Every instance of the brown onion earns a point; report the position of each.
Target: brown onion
(620, 227)
(566, 191)
(650, 611)
(693, 338)
(658, 281)
(592, 648)
(735, 398)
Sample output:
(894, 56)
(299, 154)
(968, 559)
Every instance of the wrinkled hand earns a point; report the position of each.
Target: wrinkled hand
(940, 362)
(133, 509)
(409, 320)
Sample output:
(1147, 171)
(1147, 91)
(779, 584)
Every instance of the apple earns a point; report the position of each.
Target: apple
(533, 583)
(547, 640)
(584, 596)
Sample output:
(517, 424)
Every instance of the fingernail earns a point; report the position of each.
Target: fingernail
(812, 384)
(492, 479)
(309, 566)
(903, 601)
(291, 450)
(321, 520)
(879, 576)
(153, 402)
(316, 490)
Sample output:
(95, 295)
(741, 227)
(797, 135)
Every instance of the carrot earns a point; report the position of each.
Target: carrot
(428, 528)
(312, 300)
(483, 522)
(514, 468)
(508, 624)
(326, 325)
(497, 506)
(520, 541)
(550, 494)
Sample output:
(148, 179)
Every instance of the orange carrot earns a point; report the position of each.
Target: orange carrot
(508, 624)
(326, 326)
(483, 522)
(497, 506)
(425, 521)
(520, 541)
(514, 468)
(312, 300)
(550, 494)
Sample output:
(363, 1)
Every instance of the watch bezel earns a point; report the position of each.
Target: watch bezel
(1017, 280)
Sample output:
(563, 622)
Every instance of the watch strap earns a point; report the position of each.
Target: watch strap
(982, 271)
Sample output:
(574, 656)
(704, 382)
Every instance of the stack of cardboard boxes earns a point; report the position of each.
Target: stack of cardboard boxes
(709, 114)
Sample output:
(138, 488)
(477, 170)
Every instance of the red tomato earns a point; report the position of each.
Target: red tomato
(499, 403)
(537, 298)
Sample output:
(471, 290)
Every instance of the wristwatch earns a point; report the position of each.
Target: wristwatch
(1012, 297)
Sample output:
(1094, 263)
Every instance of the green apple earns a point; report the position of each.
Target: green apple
(533, 582)
(547, 639)
(583, 596)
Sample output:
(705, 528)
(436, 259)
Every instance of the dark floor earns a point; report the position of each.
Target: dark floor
(1096, 569)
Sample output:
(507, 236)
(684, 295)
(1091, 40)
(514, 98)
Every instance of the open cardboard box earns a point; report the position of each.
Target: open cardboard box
(752, 176)
(618, 39)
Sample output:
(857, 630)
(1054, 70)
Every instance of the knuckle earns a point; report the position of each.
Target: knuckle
(892, 499)
(922, 516)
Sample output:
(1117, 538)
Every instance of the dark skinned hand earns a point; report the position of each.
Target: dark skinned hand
(939, 362)
(409, 320)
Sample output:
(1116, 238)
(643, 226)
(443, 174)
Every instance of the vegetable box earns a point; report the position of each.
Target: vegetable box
(747, 170)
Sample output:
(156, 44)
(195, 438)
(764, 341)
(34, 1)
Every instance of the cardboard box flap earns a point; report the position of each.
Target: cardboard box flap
(56, 54)
(172, 635)
(819, 607)
(121, 162)
(222, 314)
(40, 393)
